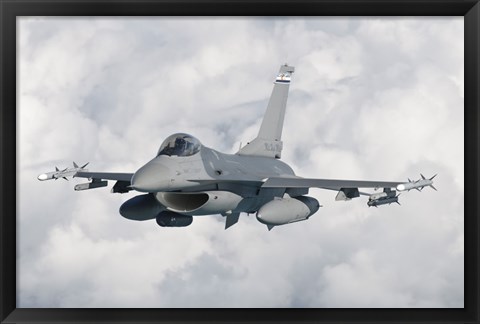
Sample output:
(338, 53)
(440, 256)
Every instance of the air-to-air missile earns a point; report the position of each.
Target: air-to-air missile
(382, 198)
(419, 184)
(67, 172)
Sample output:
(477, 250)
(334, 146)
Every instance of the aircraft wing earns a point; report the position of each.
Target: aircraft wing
(99, 180)
(105, 176)
(332, 184)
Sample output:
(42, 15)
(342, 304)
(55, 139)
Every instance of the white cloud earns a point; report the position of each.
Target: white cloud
(371, 98)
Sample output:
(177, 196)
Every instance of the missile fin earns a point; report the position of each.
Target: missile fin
(83, 166)
(75, 165)
(65, 178)
(422, 176)
(433, 177)
(433, 188)
(270, 227)
(56, 169)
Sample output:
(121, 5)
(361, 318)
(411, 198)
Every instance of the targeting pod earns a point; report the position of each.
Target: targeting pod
(171, 219)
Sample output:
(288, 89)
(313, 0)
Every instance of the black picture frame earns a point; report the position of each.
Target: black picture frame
(10, 10)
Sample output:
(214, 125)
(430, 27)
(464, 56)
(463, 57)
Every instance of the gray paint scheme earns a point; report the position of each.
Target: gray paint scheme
(268, 142)
(332, 184)
(105, 176)
(189, 179)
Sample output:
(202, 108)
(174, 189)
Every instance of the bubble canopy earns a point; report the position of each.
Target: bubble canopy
(180, 144)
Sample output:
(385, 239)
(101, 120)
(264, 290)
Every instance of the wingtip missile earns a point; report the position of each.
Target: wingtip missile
(62, 173)
(418, 185)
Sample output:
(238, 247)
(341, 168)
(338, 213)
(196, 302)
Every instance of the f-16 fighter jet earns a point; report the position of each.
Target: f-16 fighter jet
(187, 179)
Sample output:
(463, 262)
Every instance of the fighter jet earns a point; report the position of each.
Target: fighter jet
(187, 179)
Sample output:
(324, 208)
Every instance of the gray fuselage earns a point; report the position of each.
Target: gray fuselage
(208, 170)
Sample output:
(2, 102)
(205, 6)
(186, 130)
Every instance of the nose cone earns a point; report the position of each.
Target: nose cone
(152, 177)
(42, 177)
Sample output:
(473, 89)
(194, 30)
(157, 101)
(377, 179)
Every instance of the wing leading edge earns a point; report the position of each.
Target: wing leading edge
(332, 184)
(105, 176)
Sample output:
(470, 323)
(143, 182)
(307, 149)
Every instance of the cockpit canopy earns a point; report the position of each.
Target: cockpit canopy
(180, 144)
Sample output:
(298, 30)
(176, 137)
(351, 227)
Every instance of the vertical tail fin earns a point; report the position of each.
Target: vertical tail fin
(268, 142)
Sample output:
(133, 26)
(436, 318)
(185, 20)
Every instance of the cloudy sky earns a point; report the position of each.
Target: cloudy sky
(373, 98)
